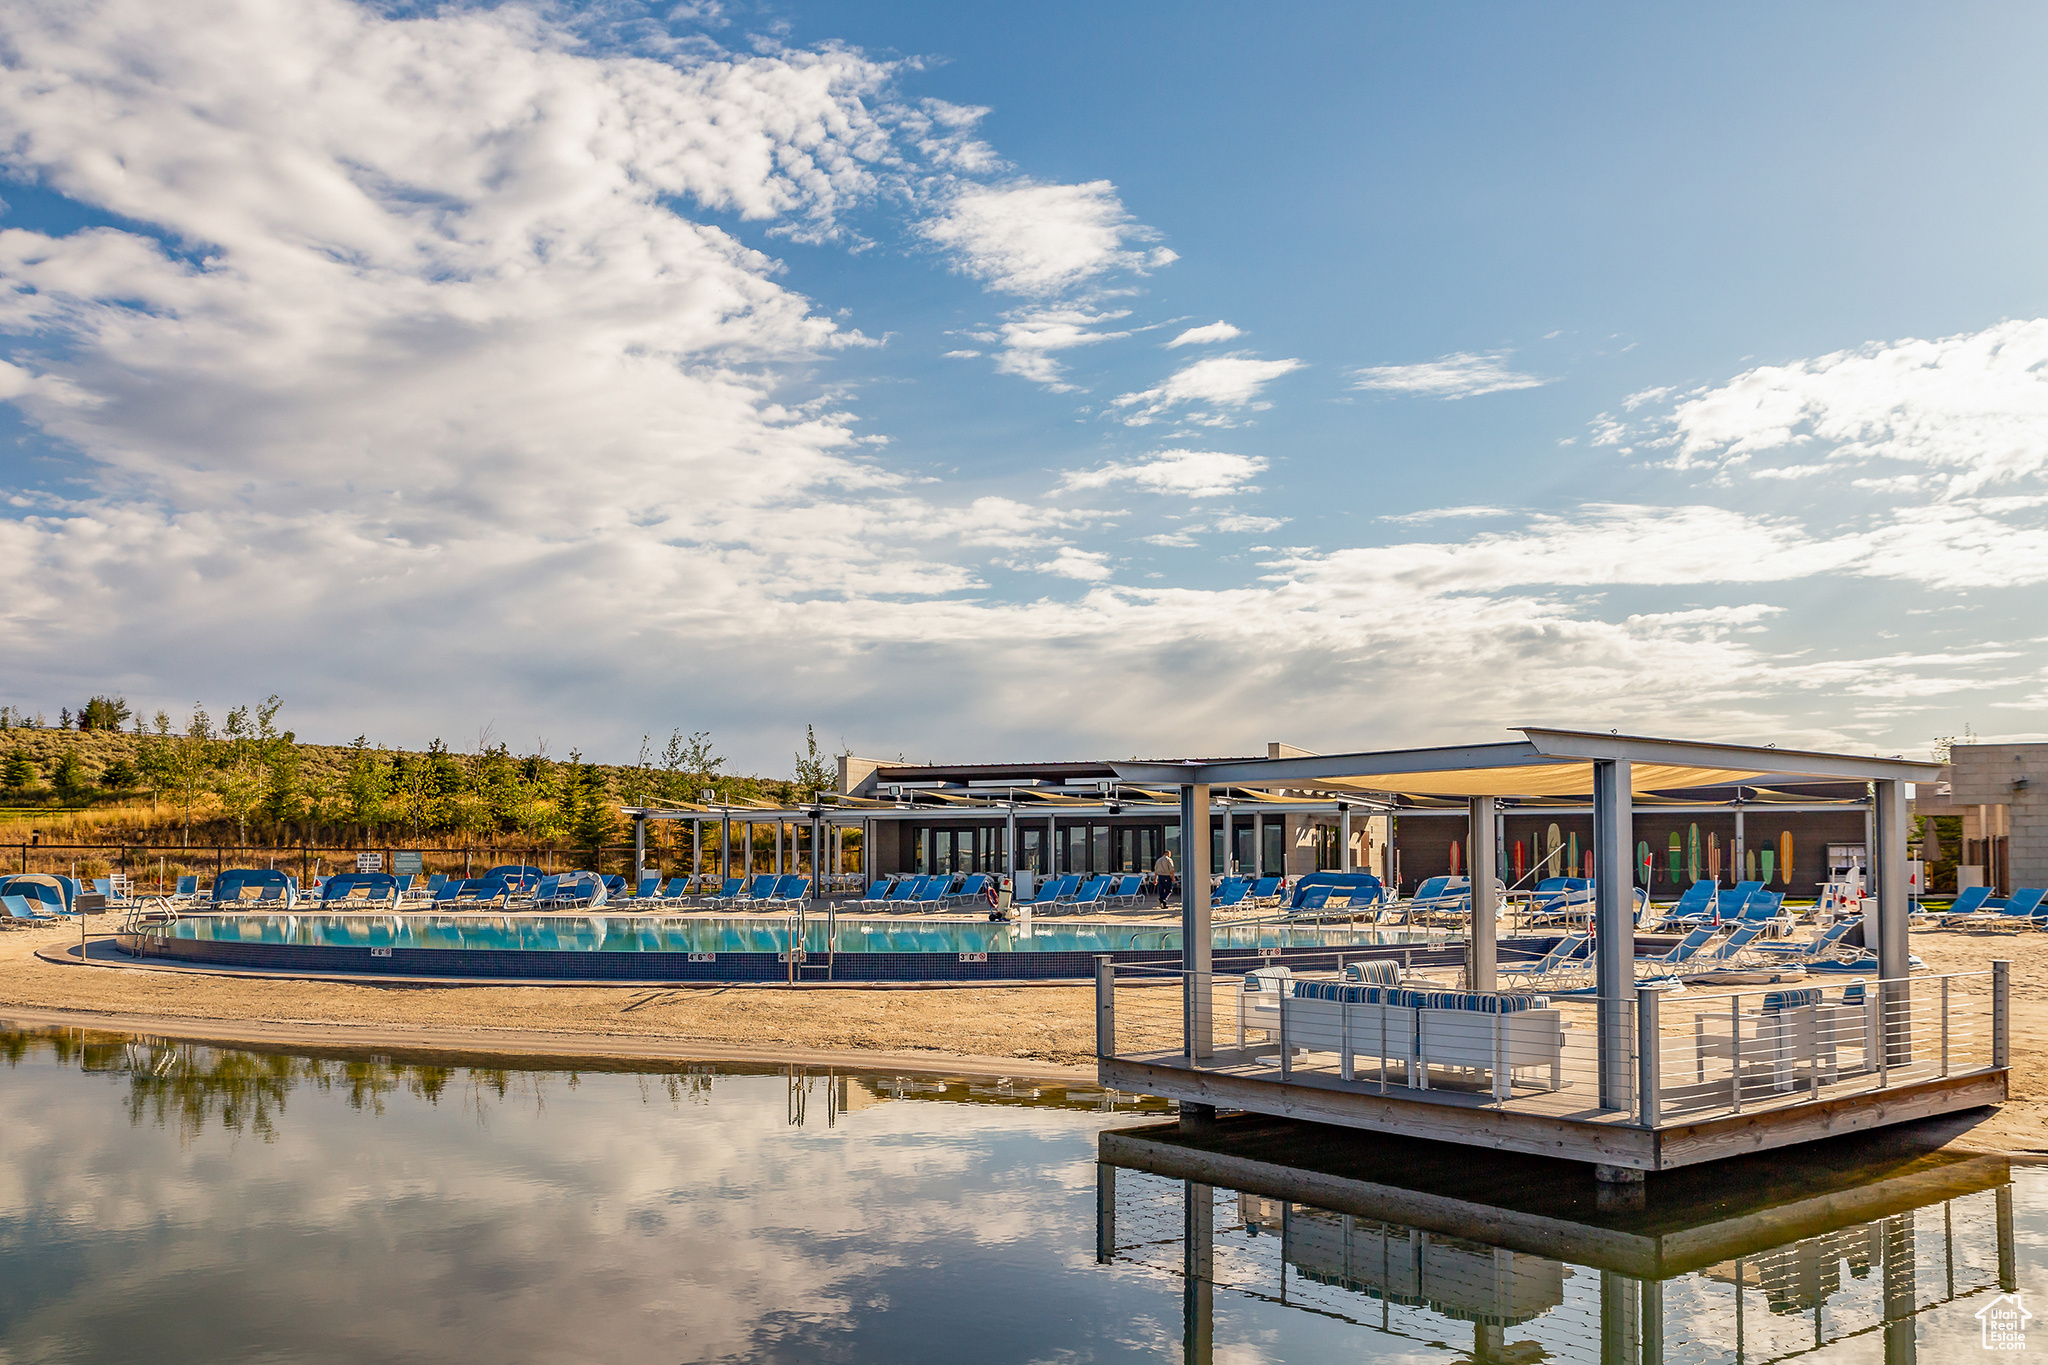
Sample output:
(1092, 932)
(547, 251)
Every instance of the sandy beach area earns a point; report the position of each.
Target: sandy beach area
(1038, 1032)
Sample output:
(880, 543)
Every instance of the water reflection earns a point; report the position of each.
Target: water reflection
(174, 1201)
(1788, 1262)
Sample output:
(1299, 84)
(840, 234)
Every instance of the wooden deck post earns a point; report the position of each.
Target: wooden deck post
(1614, 941)
(1198, 1273)
(1197, 984)
(1483, 956)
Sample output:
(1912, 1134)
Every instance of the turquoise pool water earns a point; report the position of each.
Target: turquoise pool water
(741, 934)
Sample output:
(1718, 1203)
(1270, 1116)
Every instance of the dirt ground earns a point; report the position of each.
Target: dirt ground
(1034, 1030)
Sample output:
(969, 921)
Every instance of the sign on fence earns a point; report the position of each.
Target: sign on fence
(369, 862)
(402, 863)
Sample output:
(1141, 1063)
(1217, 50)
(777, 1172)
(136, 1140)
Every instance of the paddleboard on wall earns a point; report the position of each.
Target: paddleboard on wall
(1455, 849)
(1521, 862)
(1767, 864)
(1556, 851)
(1749, 866)
(1714, 859)
(1671, 856)
(1588, 873)
(1785, 858)
(1571, 855)
(1692, 854)
(1643, 864)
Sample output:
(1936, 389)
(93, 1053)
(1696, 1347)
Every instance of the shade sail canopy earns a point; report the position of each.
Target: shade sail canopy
(1546, 763)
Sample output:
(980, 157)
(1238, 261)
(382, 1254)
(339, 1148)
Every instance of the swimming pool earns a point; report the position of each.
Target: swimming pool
(715, 947)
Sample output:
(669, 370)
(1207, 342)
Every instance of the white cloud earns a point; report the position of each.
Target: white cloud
(1204, 336)
(1185, 473)
(1445, 514)
(449, 365)
(1233, 381)
(1969, 409)
(1462, 374)
(960, 355)
(1030, 337)
(1039, 239)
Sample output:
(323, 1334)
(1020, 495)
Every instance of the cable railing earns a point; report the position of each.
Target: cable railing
(1667, 1059)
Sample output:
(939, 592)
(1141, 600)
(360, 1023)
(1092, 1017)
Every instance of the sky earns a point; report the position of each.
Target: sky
(1064, 382)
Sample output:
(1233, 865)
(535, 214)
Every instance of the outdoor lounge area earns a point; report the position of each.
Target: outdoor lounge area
(1610, 1064)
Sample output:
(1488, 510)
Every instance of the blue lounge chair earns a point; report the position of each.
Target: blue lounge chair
(359, 891)
(21, 911)
(1265, 891)
(1680, 954)
(1696, 904)
(1129, 890)
(1827, 946)
(1970, 902)
(1561, 968)
(188, 888)
(647, 892)
(1729, 904)
(1048, 894)
(973, 889)
(1232, 892)
(878, 894)
(1090, 896)
(1728, 953)
(2021, 910)
(1362, 888)
(239, 886)
(759, 891)
(791, 892)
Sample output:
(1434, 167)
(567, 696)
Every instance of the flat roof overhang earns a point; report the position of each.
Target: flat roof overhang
(1546, 762)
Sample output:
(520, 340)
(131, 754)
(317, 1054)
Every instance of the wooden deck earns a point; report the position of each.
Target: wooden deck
(1568, 1122)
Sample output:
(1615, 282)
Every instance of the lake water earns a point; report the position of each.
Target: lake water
(169, 1202)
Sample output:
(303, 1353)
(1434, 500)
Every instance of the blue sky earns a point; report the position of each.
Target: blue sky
(1150, 379)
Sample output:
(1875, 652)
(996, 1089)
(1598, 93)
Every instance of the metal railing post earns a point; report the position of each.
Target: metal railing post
(1944, 1026)
(1286, 1045)
(1105, 1006)
(1649, 1095)
(1735, 1047)
(2001, 1013)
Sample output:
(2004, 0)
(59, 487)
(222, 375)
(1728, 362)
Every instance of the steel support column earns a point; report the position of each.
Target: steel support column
(639, 851)
(1614, 940)
(1890, 824)
(1198, 985)
(1482, 955)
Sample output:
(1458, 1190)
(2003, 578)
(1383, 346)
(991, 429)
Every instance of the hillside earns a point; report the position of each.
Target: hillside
(108, 786)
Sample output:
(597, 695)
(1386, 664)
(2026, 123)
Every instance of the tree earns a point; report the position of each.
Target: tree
(156, 758)
(63, 718)
(69, 778)
(120, 776)
(191, 759)
(364, 786)
(813, 773)
(103, 713)
(688, 766)
(238, 769)
(594, 822)
(20, 772)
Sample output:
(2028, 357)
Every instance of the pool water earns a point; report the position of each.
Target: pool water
(172, 1202)
(744, 934)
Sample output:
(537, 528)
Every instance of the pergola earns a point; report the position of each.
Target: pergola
(1609, 768)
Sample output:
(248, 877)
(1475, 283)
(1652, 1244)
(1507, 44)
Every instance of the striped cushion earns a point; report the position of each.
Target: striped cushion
(1852, 994)
(1792, 1000)
(1376, 972)
(1478, 1002)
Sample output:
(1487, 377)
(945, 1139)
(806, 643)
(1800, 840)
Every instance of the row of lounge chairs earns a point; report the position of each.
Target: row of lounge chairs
(1977, 909)
(1568, 966)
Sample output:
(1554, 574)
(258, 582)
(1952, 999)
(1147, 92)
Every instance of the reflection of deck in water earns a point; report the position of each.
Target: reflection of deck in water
(1766, 1260)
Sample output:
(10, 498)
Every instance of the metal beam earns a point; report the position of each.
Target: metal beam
(1273, 772)
(1581, 745)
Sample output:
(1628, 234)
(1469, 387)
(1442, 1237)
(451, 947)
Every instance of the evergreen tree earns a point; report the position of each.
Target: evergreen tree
(69, 778)
(20, 773)
(120, 776)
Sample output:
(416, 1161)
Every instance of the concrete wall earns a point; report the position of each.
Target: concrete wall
(2014, 776)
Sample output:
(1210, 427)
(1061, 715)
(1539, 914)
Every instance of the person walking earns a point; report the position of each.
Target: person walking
(1162, 878)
